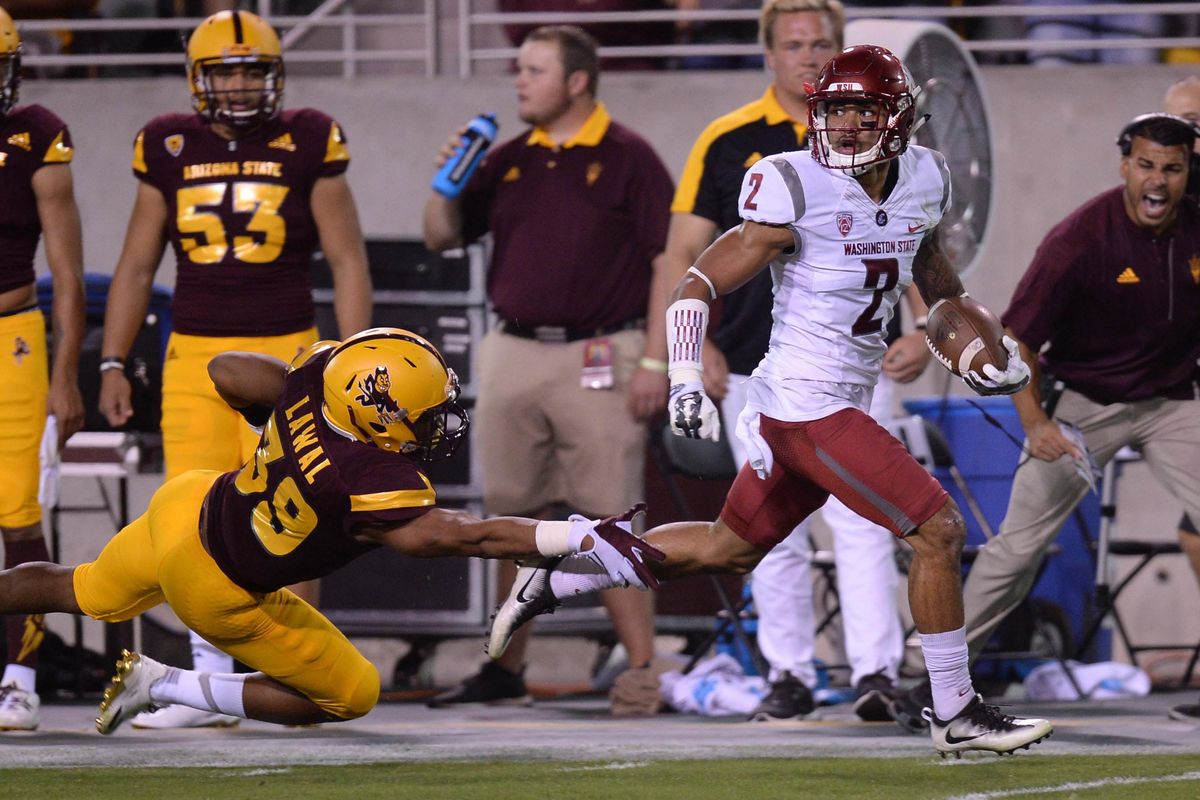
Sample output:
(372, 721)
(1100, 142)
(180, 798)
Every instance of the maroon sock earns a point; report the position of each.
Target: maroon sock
(24, 633)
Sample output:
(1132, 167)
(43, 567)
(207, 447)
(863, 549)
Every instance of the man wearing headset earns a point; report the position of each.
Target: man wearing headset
(1114, 291)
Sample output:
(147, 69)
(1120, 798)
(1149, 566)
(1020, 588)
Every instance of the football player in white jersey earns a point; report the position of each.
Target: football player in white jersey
(845, 229)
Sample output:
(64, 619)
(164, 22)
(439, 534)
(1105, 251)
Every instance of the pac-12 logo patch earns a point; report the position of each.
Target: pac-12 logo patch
(845, 221)
(375, 392)
(174, 144)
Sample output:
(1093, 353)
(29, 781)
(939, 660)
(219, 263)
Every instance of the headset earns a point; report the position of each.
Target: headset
(1125, 143)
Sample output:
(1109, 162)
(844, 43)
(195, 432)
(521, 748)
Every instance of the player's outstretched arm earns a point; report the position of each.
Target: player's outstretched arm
(250, 383)
(449, 532)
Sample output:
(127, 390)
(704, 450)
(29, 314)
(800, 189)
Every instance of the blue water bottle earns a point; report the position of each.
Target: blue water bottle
(453, 176)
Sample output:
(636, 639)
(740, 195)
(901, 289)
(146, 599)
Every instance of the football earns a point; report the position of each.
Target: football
(964, 335)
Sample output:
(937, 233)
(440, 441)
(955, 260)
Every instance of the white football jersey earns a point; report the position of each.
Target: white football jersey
(837, 290)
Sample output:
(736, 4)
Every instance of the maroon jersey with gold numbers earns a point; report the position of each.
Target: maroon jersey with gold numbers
(290, 513)
(240, 217)
(30, 138)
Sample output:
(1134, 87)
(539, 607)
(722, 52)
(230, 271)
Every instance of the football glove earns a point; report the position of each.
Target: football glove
(621, 554)
(1011, 380)
(692, 414)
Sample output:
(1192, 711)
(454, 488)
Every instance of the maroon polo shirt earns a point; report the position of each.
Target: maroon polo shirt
(1118, 305)
(240, 217)
(575, 228)
(30, 138)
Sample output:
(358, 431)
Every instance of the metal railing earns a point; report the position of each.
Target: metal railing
(460, 39)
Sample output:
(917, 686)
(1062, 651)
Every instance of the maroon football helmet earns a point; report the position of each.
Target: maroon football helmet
(869, 73)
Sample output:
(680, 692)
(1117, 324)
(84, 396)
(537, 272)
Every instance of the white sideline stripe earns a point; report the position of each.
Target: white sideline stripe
(1067, 787)
(610, 765)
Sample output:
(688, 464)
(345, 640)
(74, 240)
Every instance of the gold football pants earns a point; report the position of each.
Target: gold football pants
(158, 557)
(24, 383)
(199, 430)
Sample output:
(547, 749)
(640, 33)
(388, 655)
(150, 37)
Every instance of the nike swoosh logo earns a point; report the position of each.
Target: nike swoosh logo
(521, 598)
(950, 739)
(915, 228)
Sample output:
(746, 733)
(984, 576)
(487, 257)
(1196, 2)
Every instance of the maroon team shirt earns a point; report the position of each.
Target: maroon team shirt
(30, 138)
(239, 217)
(290, 514)
(575, 228)
(1119, 305)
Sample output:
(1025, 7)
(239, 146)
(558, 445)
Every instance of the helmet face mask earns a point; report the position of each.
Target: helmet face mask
(235, 70)
(391, 388)
(861, 77)
(10, 64)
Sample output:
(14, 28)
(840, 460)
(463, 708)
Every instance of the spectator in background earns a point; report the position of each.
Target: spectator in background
(1112, 304)
(1087, 26)
(606, 34)
(37, 199)
(577, 206)
(799, 36)
(722, 32)
(1183, 100)
(244, 192)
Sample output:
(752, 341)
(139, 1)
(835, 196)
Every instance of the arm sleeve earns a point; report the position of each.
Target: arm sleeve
(1045, 292)
(651, 192)
(390, 489)
(337, 154)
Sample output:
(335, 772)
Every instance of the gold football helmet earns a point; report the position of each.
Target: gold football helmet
(228, 39)
(10, 63)
(392, 388)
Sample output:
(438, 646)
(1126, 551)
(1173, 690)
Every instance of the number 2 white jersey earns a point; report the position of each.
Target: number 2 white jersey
(837, 290)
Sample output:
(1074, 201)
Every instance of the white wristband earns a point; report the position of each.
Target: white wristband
(554, 538)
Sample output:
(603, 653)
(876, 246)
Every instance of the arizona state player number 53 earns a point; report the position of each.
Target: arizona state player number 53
(261, 199)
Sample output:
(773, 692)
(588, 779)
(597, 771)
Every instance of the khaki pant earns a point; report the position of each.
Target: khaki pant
(1167, 432)
(544, 439)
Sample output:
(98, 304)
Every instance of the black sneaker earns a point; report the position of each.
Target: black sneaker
(873, 697)
(1186, 713)
(788, 699)
(493, 685)
(907, 707)
(983, 727)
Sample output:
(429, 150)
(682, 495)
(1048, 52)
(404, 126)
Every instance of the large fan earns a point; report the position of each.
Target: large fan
(958, 127)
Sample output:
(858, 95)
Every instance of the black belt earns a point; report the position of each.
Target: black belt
(560, 333)
(16, 311)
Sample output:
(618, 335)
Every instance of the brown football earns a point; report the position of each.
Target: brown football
(964, 335)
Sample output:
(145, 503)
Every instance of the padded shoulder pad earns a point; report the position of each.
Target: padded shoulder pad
(772, 192)
(313, 349)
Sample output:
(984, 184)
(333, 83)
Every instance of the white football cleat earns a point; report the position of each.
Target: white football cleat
(983, 727)
(529, 596)
(19, 709)
(129, 691)
(177, 716)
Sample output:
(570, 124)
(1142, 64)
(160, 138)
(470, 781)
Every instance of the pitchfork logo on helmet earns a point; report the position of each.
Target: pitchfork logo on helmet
(226, 42)
(373, 391)
(391, 388)
(10, 63)
(864, 74)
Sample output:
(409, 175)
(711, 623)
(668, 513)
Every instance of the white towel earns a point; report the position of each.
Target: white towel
(49, 456)
(758, 453)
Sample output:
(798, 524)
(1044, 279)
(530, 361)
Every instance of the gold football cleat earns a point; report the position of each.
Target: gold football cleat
(129, 691)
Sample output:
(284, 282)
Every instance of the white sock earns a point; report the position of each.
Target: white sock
(946, 660)
(208, 692)
(579, 575)
(24, 677)
(206, 658)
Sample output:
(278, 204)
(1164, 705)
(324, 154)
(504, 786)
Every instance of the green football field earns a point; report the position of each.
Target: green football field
(1114, 777)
